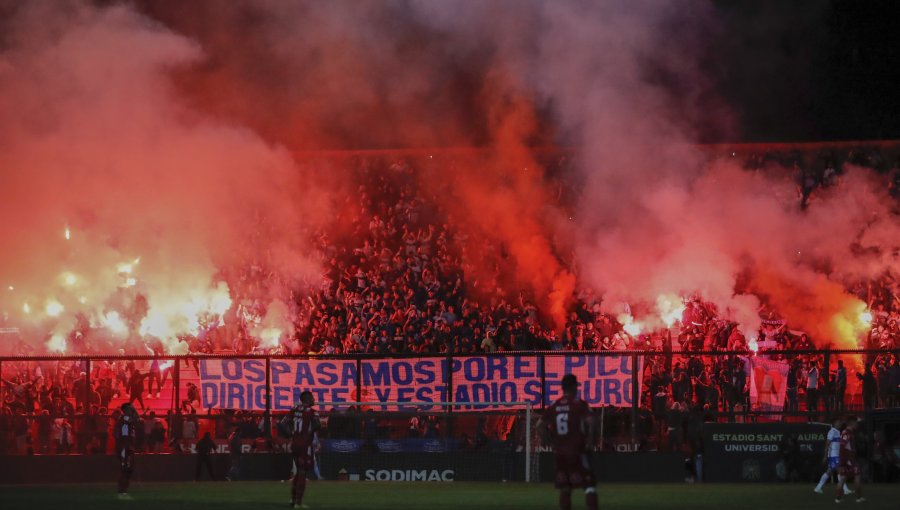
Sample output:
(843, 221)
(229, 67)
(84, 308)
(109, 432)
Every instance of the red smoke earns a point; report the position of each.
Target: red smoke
(821, 308)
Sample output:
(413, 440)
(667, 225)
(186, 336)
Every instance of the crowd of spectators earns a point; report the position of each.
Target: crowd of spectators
(396, 283)
(397, 280)
(54, 407)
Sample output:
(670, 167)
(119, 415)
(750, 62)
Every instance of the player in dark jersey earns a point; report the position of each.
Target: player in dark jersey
(848, 465)
(124, 433)
(569, 425)
(303, 422)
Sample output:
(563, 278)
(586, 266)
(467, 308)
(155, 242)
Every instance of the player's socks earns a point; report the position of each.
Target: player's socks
(124, 482)
(565, 500)
(299, 488)
(590, 500)
(822, 481)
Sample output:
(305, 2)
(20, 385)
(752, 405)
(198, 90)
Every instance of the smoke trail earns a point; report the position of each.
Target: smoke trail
(503, 204)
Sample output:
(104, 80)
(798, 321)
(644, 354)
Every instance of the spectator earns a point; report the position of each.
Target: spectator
(175, 426)
(105, 392)
(193, 394)
(206, 447)
(136, 389)
(675, 426)
(894, 382)
(79, 391)
(44, 432)
(488, 344)
(20, 429)
(792, 404)
(840, 386)
(234, 454)
(812, 388)
(63, 436)
(869, 388)
(101, 428)
(157, 436)
(189, 430)
(154, 375)
(414, 426)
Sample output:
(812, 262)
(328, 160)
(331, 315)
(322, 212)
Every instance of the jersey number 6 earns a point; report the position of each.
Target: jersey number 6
(562, 424)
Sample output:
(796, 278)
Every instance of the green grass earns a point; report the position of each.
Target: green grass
(431, 496)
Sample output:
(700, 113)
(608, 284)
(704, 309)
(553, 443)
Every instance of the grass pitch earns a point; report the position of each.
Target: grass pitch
(432, 496)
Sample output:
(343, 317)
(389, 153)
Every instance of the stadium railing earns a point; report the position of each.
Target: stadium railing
(206, 393)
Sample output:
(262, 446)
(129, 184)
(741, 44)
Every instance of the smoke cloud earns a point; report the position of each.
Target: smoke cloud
(111, 181)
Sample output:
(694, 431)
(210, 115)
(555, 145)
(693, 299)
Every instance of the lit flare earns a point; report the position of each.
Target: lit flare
(629, 325)
(54, 308)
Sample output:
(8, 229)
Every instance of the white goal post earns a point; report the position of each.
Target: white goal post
(457, 408)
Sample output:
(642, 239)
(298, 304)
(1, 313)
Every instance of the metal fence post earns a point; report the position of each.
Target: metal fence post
(359, 397)
(828, 397)
(448, 416)
(176, 385)
(635, 396)
(543, 363)
(87, 385)
(267, 421)
(450, 381)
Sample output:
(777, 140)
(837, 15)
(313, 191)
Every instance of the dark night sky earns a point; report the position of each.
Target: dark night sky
(809, 70)
(788, 70)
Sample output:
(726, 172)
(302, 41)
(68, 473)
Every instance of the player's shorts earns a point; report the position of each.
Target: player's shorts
(574, 471)
(303, 456)
(126, 459)
(849, 470)
(833, 463)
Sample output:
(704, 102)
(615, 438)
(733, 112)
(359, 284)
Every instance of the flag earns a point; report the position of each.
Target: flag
(768, 384)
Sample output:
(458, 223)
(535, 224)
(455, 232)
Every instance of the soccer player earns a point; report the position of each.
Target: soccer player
(303, 421)
(832, 455)
(569, 425)
(848, 467)
(124, 434)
